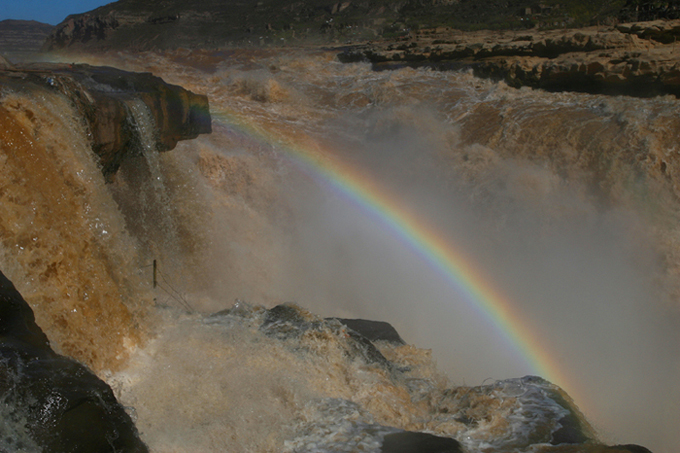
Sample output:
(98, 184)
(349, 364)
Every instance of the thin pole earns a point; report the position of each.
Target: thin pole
(155, 281)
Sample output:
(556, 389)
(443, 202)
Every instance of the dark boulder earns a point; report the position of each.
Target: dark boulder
(410, 442)
(631, 448)
(104, 96)
(50, 402)
(373, 330)
(17, 322)
(290, 321)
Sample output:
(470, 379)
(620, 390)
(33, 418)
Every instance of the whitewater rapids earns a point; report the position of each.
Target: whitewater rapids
(566, 203)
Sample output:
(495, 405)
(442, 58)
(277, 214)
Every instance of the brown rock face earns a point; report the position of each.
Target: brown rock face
(641, 59)
(663, 31)
(104, 95)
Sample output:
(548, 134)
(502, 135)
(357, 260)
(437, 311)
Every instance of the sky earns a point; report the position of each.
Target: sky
(47, 11)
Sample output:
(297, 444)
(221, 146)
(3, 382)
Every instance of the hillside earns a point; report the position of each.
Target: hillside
(143, 24)
(21, 36)
(147, 24)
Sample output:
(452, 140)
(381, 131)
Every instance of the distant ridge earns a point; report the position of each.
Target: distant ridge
(18, 36)
(149, 24)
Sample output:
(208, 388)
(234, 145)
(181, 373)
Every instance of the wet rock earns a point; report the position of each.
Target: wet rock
(373, 330)
(627, 448)
(410, 442)
(17, 322)
(104, 95)
(664, 31)
(291, 321)
(288, 321)
(50, 402)
(366, 349)
(501, 406)
(591, 447)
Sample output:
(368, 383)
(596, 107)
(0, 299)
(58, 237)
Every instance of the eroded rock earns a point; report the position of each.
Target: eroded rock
(373, 330)
(291, 321)
(640, 59)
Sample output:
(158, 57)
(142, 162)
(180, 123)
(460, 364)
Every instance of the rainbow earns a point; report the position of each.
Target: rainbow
(457, 268)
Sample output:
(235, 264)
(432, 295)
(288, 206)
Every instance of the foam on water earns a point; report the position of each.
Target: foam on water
(14, 435)
(567, 201)
(303, 389)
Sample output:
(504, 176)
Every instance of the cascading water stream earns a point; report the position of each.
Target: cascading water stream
(64, 241)
(561, 199)
(146, 130)
(154, 185)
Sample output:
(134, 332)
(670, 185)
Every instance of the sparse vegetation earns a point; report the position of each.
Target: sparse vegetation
(215, 23)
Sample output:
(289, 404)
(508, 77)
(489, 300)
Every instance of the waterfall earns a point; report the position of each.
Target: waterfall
(64, 239)
(563, 203)
(153, 206)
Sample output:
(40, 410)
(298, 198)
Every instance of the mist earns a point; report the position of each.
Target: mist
(537, 190)
(583, 277)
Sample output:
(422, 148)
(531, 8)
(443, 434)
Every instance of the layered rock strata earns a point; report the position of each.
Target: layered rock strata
(641, 59)
(105, 97)
(18, 36)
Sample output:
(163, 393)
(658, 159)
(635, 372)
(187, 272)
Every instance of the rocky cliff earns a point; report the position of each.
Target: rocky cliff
(106, 98)
(638, 58)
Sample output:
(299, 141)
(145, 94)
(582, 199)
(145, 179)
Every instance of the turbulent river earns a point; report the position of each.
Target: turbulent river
(502, 232)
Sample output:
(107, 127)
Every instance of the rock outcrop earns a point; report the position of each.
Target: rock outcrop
(50, 402)
(639, 59)
(106, 97)
(4, 63)
(290, 321)
(373, 330)
(513, 413)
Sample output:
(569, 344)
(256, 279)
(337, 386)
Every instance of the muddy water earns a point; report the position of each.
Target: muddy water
(565, 203)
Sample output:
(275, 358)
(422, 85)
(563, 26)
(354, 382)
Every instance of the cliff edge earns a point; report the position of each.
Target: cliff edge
(108, 99)
(640, 59)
